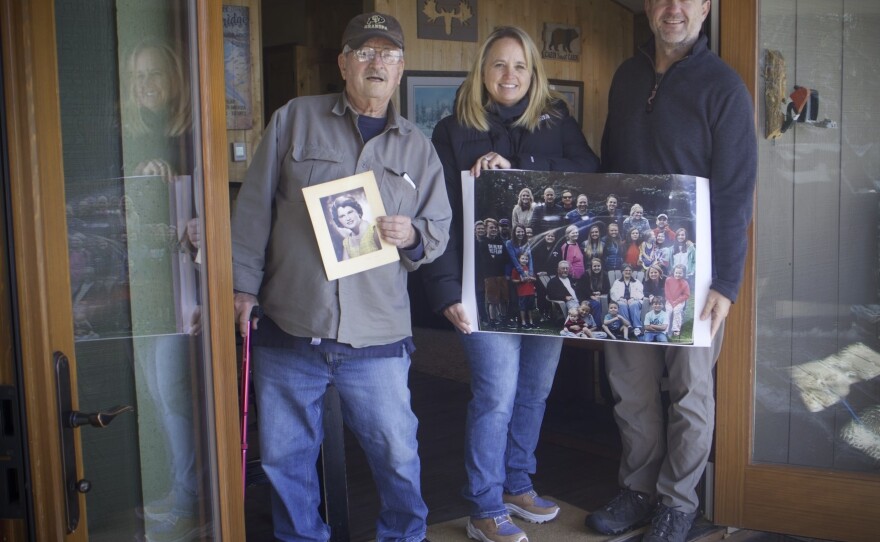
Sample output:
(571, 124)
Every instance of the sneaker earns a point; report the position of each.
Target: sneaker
(669, 525)
(497, 529)
(530, 507)
(629, 509)
(637, 331)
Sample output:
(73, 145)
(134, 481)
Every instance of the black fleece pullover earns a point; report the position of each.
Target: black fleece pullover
(699, 122)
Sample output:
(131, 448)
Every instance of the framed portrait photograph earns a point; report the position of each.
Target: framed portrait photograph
(573, 93)
(343, 214)
(428, 96)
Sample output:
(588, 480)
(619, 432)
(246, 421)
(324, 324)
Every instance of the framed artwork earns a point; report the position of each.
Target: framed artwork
(343, 214)
(428, 96)
(237, 67)
(561, 42)
(453, 20)
(573, 92)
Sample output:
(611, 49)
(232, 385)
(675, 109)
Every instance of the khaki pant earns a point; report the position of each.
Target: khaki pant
(665, 460)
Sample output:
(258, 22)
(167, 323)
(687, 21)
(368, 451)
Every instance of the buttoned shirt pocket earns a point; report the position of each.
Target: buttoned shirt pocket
(313, 164)
(400, 193)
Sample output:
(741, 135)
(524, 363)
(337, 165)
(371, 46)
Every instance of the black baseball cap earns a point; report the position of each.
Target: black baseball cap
(372, 25)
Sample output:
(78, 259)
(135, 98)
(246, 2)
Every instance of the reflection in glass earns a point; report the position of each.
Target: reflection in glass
(817, 387)
(133, 211)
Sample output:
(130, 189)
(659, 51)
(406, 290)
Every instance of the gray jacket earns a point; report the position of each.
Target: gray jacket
(313, 140)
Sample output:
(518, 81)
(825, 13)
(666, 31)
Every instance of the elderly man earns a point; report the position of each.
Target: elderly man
(563, 288)
(353, 333)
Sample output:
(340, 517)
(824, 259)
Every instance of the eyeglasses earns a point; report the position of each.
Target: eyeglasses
(388, 56)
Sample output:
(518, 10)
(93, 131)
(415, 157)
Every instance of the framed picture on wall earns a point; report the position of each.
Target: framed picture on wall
(573, 92)
(428, 96)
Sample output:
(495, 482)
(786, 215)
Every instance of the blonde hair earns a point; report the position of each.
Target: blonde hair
(179, 105)
(473, 99)
(528, 191)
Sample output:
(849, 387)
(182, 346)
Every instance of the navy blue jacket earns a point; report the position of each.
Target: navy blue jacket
(701, 123)
(557, 144)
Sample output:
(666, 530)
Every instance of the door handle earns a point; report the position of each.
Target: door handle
(68, 420)
(98, 419)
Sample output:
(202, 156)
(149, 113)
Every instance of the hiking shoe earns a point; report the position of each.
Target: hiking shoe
(669, 525)
(530, 507)
(627, 510)
(497, 529)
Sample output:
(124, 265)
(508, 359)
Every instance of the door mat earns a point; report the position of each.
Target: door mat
(568, 526)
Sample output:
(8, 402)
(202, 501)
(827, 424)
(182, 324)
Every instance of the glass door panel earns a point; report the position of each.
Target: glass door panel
(817, 377)
(133, 190)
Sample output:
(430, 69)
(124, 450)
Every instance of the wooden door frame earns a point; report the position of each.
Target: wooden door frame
(753, 495)
(41, 262)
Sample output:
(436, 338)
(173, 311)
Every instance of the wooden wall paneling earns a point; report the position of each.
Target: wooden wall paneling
(773, 220)
(606, 38)
(251, 137)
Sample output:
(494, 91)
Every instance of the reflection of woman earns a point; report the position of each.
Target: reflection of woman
(157, 114)
(525, 207)
(158, 110)
(505, 117)
(363, 237)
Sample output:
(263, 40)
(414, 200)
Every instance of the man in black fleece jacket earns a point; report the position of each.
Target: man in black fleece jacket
(675, 107)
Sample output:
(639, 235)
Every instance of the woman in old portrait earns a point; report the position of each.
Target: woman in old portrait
(359, 236)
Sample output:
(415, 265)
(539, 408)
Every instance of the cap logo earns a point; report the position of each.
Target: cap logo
(376, 21)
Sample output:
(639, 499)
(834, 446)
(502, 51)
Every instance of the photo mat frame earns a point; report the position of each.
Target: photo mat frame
(361, 188)
(573, 93)
(428, 96)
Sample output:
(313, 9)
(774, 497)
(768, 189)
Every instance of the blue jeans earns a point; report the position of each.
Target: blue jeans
(167, 371)
(655, 337)
(511, 377)
(631, 310)
(375, 398)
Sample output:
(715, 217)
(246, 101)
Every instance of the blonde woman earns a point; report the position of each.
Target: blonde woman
(505, 117)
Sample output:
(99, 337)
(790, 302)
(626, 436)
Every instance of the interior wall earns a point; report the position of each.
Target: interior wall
(251, 136)
(301, 39)
(606, 41)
